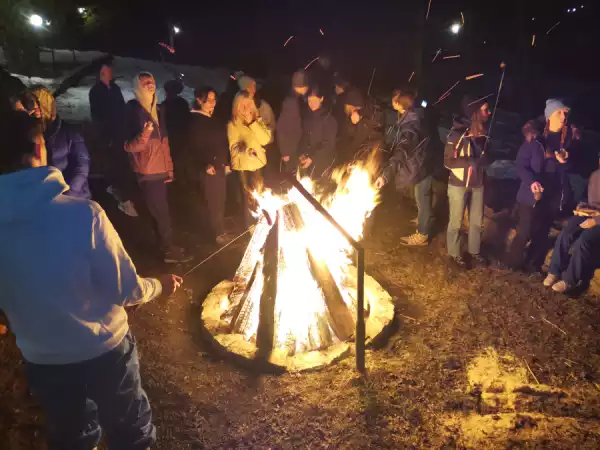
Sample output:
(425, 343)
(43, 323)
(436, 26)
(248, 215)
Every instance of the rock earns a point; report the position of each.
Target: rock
(502, 169)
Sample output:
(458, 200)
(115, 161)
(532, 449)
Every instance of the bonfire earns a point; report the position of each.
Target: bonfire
(293, 299)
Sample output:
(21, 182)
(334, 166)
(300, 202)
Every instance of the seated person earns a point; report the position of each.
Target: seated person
(582, 235)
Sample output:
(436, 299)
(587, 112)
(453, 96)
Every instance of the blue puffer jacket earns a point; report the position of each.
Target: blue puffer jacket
(68, 153)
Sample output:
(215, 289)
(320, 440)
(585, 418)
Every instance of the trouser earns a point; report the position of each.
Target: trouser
(579, 266)
(424, 198)
(534, 223)
(103, 394)
(457, 201)
(215, 192)
(250, 181)
(155, 197)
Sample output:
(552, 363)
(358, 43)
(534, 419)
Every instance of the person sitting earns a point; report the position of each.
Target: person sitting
(66, 280)
(581, 237)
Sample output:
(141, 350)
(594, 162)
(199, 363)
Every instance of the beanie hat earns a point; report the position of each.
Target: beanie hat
(553, 105)
(354, 98)
(299, 80)
(173, 87)
(245, 81)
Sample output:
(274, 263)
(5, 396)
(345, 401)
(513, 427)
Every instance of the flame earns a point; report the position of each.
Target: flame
(301, 321)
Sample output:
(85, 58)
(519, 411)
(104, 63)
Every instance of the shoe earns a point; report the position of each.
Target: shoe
(459, 262)
(478, 261)
(561, 287)
(176, 255)
(128, 208)
(415, 240)
(551, 280)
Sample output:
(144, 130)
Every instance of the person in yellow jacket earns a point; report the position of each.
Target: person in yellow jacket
(248, 135)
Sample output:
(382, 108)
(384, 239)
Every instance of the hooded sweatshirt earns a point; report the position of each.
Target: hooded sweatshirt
(149, 151)
(64, 274)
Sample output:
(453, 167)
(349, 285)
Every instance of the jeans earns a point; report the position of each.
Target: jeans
(585, 244)
(251, 181)
(105, 392)
(155, 197)
(457, 200)
(215, 192)
(533, 224)
(424, 198)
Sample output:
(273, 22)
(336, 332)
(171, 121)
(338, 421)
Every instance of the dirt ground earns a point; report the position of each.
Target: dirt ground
(479, 359)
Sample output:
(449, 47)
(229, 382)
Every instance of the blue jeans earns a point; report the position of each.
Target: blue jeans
(105, 391)
(423, 197)
(457, 200)
(581, 264)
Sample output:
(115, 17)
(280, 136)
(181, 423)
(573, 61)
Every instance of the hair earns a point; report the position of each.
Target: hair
(237, 101)
(314, 91)
(201, 94)
(145, 75)
(18, 130)
(477, 122)
(563, 132)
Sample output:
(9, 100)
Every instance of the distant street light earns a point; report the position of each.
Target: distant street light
(36, 21)
(455, 28)
(82, 11)
(176, 30)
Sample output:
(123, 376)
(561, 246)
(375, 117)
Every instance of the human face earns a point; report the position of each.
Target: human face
(208, 106)
(301, 90)
(350, 109)
(314, 102)
(485, 112)
(148, 85)
(252, 89)
(247, 110)
(106, 74)
(397, 106)
(339, 90)
(558, 119)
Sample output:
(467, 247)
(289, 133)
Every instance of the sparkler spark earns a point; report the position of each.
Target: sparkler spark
(462, 16)
(555, 25)
(311, 63)
(321, 31)
(451, 57)
(482, 98)
(288, 40)
(471, 77)
(447, 93)
(533, 41)
(411, 76)
(437, 54)
(428, 8)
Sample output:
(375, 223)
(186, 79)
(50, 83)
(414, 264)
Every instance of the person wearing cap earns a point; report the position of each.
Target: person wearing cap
(248, 84)
(542, 164)
(289, 124)
(465, 156)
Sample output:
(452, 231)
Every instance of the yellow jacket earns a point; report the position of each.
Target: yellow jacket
(246, 144)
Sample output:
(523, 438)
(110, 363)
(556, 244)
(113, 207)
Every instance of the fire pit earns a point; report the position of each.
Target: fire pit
(292, 304)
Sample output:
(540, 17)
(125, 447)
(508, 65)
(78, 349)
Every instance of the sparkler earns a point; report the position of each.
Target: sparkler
(437, 54)
(479, 99)
(462, 17)
(371, 82)
(533, 41)
(447, 93)
(411, 76)
(451, 57)
(321, 31)
(428, 8)
(503, 67)
(288, 40)
(311, 63)
(472, 77)
(555, 25)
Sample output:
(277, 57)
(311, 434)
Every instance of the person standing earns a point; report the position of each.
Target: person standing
(147, 143)
(410, 165)
(465, 156)
(66, 148)
(248, 84)
(66, 280)
(542, 166)
(208, 158)
(248, 135)
(176, 112)
(317, 152)
(107, 108)
(289, 124)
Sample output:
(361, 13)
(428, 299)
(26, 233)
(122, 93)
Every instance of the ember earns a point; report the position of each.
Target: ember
(293, 300)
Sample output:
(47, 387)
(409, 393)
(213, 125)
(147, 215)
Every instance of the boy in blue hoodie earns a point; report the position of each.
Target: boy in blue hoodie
(65, 280)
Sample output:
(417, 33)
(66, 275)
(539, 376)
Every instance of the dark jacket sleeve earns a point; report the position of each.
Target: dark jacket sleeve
(78, 154)
(96, 106)
(289, 131)
(524, 170)
(327, 143)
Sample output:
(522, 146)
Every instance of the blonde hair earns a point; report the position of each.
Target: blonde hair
(239, 99)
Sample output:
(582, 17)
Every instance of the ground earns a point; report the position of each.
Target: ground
(480, 359)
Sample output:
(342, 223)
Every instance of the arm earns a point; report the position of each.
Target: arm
(113, 274)
(80, 158)
(261, 132)
(268, 116)
(237, 147)
(524, 170)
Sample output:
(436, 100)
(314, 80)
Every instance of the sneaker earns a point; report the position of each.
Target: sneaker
(176, 255)
(478, 261)
(128, 208)
(415, 240)
(561, 287)
(459, 262)
(551, 280)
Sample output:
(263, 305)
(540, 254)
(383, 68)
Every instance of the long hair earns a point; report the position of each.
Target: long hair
(563, 132)
(477, 123)
(241, 97)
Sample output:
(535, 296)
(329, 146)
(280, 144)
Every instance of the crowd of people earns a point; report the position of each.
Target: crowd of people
(63, 265)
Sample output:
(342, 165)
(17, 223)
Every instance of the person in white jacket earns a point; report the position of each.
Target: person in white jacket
(65, 280)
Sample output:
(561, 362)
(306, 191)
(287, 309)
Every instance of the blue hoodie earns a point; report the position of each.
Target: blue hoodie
(64, 274)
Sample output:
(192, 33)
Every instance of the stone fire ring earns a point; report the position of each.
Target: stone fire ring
(234, 346)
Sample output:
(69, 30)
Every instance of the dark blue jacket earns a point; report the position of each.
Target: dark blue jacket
(107, 107)
(68, 153)
(535, 164)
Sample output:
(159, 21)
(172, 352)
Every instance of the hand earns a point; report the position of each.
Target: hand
(355, 117)
(170, 283)
(211, 170)
(285, 158)
(380, 182)
(536, 187)
(588, 223)
(249, 116)
(148, 127)
(252, 152)
(562, 156)
(227, 170)
(305, 162)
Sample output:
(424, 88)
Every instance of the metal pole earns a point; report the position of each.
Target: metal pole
(360, 310)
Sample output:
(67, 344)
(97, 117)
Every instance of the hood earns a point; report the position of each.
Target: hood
(22, 193)
(147, 101)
